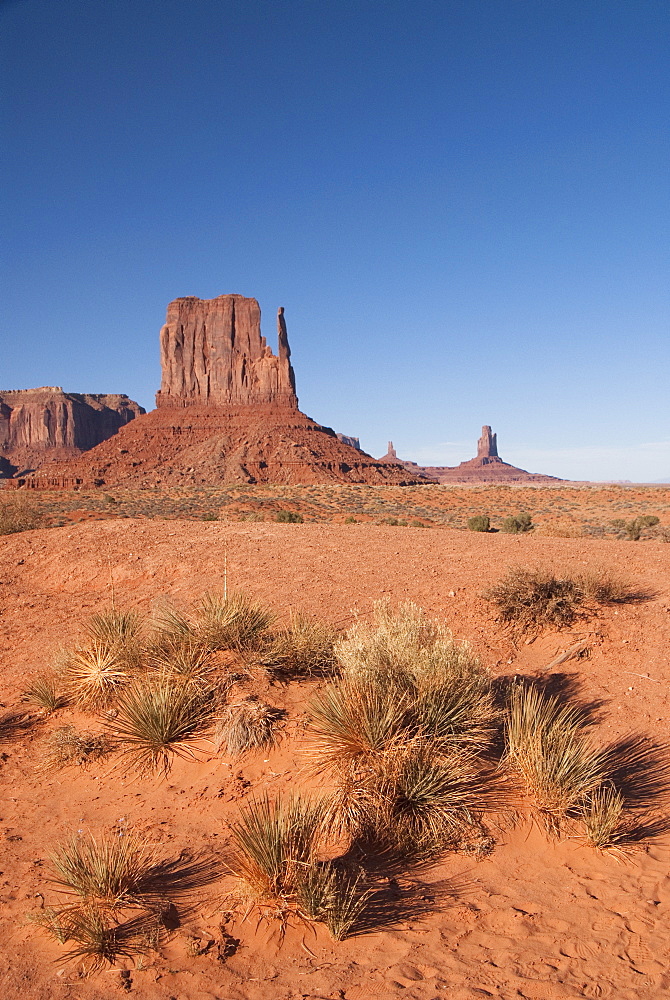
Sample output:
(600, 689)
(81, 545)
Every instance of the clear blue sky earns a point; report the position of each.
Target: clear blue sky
(463, 206)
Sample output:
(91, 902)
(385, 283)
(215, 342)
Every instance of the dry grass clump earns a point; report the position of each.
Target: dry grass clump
(44, 692)
(121, 632)
(68, 745)
(402, 732)
(19, 513)
(102, 879)
(531, 600)
(160, 718)
(305, 648)
(246, 725)
(185, 656)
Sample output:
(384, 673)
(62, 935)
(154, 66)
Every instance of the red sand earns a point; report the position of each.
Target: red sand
(536, 919)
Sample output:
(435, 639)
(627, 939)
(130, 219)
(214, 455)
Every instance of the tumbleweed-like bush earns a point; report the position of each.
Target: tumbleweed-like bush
(246, 725)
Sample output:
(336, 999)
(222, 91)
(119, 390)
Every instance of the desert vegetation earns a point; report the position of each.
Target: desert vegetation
(413, 749)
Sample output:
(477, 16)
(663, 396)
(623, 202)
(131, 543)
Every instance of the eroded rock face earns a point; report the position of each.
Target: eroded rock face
(212, 352)
(48, 418)
(487, 445)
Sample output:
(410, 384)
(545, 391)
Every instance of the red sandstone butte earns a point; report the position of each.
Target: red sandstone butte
(227, 411)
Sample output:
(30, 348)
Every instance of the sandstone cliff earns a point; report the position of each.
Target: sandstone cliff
(212, 352)
(37, 424)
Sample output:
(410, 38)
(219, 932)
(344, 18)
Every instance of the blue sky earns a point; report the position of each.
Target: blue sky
(463, 207)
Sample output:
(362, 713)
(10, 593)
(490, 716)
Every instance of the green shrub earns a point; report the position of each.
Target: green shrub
(634, 530)
(289, 517)
(517, 524)
(350, 520)
(480, 522)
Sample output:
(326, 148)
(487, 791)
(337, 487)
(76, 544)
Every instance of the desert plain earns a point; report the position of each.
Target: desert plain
(532, 916)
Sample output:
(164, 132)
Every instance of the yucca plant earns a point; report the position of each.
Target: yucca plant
(335, 895)
(45, 693)
(275, 842)
(95, 675)
(159, 719)
(184, 655)
(352, 722)
(305, 648)
(120, 632)
(235, 622)
(246, 725)
(99, 941)
(546, 743)
(115, 872)
(112, 872)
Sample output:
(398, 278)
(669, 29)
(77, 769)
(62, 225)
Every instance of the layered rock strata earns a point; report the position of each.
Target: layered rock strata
(212, 352)
(40, 424)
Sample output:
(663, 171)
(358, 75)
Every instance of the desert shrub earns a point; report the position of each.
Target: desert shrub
(185, 656)
(210, 516)
(67, 745)
(246, 725)
(159, 719)
(235, 622)
(95, 674)
(480, 522)
(44, 692)
(289, 517)
(604, 587)
(637, 528)
(547, 745)
(395, 522)
(604, 819)
(333, 894)
(530, 600)
(18, 512)
(350, 520)
(305, 648)
(517, 524)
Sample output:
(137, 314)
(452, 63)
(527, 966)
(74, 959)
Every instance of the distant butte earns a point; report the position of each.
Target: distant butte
(487, 467)
(227, 411)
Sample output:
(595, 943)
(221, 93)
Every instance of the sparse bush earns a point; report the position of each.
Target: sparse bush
(159, 719)
(530, 600)
(517, 524)
(305, 648)
(636, 529)
(289, 517)
(480, 522)
(100, 941)
(246, 725)
(18, 512)
(350, 520)
(185, 656)
(68, 745)
(44, 692)
(417, 524)
(333, 894)
(604, 820)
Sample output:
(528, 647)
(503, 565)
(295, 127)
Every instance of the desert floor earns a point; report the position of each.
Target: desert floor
(536, 918)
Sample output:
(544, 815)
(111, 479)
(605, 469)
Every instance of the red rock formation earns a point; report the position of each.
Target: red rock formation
(212, 351)
(227, 412)
(487, 467)
(40, 424)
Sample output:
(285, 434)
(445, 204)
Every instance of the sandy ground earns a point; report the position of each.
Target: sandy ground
(535, 919)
